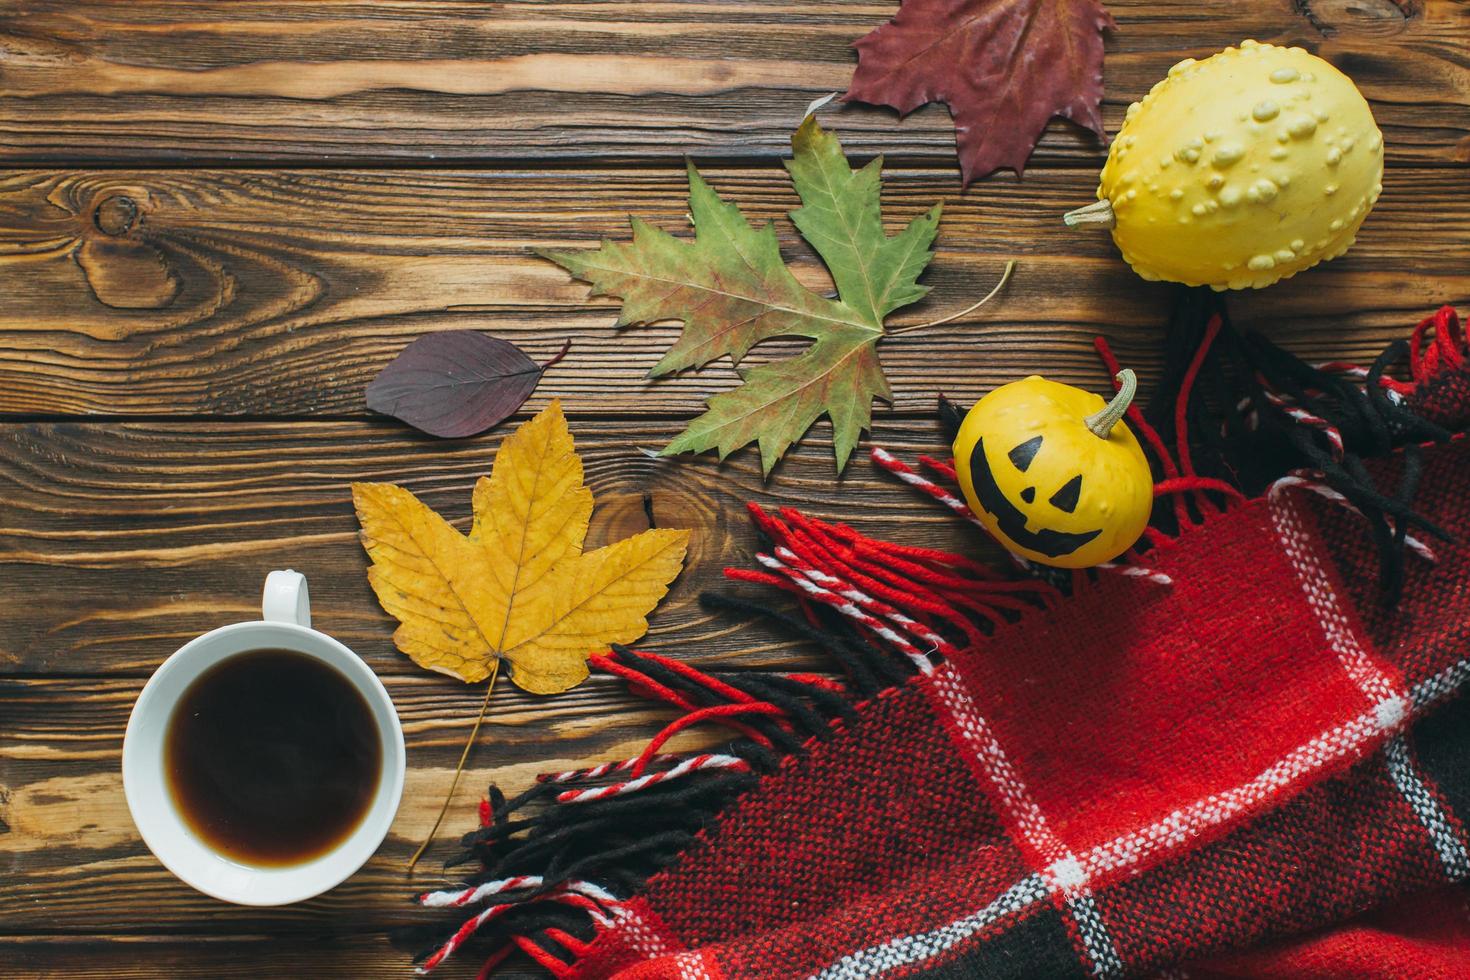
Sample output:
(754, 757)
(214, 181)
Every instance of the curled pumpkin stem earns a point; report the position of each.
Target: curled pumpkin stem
(1101, 423)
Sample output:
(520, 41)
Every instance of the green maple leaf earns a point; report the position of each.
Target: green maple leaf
(732, 290)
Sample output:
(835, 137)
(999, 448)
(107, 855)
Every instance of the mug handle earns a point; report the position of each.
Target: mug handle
(285, 599)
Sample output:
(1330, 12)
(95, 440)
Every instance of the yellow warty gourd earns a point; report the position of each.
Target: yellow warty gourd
(1240, 170)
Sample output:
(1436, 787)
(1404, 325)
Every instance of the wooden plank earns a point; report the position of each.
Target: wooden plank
(118, 542)
(384, 81)
(283, 293)
(68, 840)
(343, 952)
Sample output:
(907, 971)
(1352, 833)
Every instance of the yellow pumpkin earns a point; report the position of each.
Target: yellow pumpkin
(1054, 473)
(1240, 170)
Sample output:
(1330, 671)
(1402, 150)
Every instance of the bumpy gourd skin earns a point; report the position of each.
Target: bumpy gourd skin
(1243, 169)
(1115, 496)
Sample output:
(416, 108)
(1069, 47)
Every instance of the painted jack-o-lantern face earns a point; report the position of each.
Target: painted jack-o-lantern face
(1051, 471)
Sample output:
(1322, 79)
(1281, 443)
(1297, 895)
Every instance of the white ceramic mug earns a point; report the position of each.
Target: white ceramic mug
(286, 626)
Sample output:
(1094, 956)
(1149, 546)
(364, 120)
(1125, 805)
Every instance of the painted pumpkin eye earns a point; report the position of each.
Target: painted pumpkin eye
(1065, 499)
(1023, 454)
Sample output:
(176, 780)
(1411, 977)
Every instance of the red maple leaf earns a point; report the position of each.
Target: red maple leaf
(1004, 68)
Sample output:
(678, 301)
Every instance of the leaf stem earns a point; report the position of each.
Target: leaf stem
(459, 769)
(1004, 278)
(554, 359)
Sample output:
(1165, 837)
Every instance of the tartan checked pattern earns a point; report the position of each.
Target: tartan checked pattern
(1051, 825)
(1062, 874)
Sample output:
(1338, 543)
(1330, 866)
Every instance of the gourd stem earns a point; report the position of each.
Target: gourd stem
(1101, 423)
(1097, 213)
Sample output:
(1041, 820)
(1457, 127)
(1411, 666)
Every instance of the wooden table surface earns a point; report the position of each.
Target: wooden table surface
(219, 221)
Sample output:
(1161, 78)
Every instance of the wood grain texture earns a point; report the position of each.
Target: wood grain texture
(283, 293)
(118, 542)
(68, 838)
(337, 954)
(386, 81)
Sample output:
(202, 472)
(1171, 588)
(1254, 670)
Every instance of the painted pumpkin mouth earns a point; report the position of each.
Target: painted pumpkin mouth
(1012, 520)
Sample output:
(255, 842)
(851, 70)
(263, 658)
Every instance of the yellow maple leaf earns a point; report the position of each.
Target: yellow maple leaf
(518, 587)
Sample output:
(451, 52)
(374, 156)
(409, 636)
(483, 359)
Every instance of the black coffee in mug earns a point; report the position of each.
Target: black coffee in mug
(272, 757)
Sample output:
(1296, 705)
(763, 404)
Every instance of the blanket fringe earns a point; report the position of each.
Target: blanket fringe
(1317, 421)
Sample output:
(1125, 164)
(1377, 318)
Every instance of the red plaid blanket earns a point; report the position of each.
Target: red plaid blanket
(1421, 937)
(1226, 742)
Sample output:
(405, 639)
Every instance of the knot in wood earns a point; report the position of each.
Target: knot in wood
(1360, 18)
(115, 215)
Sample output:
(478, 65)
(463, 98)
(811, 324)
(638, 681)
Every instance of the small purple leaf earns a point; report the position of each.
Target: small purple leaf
(456, 383)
